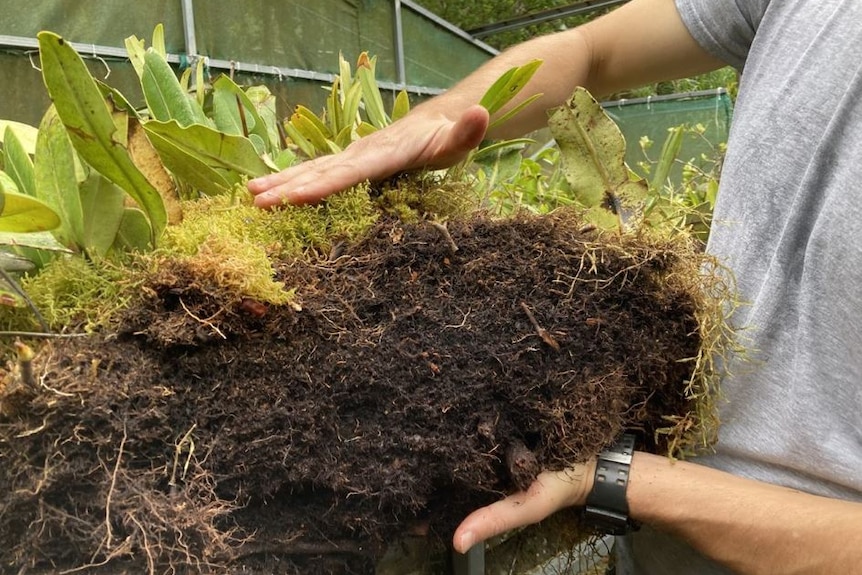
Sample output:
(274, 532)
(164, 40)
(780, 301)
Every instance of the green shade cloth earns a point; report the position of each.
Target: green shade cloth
(653, 117)
(257, 34)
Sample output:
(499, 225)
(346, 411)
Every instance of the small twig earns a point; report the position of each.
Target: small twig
(447, 237)
(542, 332)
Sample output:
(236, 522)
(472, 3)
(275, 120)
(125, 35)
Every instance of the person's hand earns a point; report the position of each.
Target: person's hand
(419, 140)
(552, 491)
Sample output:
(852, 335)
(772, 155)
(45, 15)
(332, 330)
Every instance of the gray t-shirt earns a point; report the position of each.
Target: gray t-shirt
(789, 224)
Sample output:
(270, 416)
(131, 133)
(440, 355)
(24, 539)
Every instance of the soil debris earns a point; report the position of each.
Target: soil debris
(415, 376)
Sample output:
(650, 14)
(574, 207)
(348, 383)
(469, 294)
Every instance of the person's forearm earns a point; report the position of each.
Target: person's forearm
(603, 56)
(555, 79)
(749, 526)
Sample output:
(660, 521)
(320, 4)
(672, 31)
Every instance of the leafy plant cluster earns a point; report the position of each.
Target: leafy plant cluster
(100, 179)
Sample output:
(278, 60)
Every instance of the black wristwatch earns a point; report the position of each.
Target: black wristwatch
(607, 510)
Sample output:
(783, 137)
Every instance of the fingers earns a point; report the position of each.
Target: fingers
(306, 183)
(409, 144)
(463, 135)
(550, 492)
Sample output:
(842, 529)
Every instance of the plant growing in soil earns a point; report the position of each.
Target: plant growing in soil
(293, 391)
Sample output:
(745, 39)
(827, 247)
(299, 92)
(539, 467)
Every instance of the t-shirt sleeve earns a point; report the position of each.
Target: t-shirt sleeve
(725, 28)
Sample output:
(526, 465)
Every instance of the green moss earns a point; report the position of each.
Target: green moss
(74, 294)
(285, 232)
(231, 245)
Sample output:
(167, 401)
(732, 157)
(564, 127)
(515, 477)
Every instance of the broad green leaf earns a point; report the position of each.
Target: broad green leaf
(136, 49)
(134, 232)
(352, 101)
(310, 129)
(102, 202)
(501, 161)
(345, 74)
(334, 108)
(36, 240)
(225, 113)
(25, 133)
(148, 161)
(232, 157)
(508, 85)
(401, 106)
(56, 182)
(494, 148)
(344, 137)
(116, 100)
(284, 159)
(13, 263)
(669, 153)
(7, 184)
(165, 97)
(365, 72)
(303, 143)
(91, 126)
(227, 90)
(514, 111)
(200, 83)
(159, 41)
(190, 169)
(17, 163)
(264, 102)
(592, 150)
(365, 129)
(26, 214)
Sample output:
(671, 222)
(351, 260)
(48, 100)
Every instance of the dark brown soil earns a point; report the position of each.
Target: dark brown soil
(214, 432)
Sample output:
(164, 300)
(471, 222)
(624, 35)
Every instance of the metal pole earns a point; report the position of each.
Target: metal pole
(189, 29)
(400, 66)
(470, 563)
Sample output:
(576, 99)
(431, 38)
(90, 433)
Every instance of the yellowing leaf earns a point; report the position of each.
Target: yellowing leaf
(25, 214)
(592, 150)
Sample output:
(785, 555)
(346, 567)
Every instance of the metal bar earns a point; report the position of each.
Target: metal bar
(98, 51)
(544, 16)
(189, 29)
(400, 65)
(470, 563)
(94, 50)
(425, 13)
(663, 98)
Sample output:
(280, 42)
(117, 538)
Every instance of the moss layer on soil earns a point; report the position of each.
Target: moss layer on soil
(415, 375)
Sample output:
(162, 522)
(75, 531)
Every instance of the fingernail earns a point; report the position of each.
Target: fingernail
(467, 541)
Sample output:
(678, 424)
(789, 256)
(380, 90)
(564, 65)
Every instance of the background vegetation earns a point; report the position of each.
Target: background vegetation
(468, 15)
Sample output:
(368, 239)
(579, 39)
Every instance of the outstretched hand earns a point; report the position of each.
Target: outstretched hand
(419, 140)
(551, 492)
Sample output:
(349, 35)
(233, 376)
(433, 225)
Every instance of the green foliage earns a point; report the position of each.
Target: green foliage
(689, 204)
(99, 134)
(593, 152)
(507, 87)
(73, 294)
(354, 109)
(23, 214)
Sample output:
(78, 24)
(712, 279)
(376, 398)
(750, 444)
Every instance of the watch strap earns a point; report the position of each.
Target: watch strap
(607, 509)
